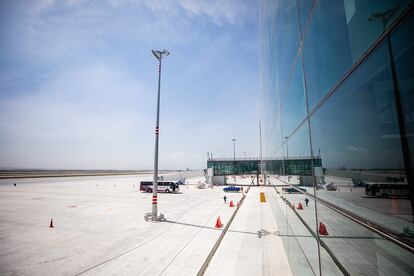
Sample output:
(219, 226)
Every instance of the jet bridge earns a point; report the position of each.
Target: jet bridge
(291, 166)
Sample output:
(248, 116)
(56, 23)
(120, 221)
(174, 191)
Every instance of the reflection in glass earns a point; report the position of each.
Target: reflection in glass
(287, 41)
(305, 12)
(360, 165)
(402, 42)
(293, 106)
(357, 136)
(356, 130)
(340, 32)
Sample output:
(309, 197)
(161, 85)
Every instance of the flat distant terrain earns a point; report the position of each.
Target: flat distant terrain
(4, 174)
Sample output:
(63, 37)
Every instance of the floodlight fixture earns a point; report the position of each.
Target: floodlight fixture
(160, 54)
(382, 16)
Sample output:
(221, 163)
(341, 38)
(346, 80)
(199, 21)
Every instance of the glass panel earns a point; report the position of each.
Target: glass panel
(298, 235)
(298, 144)
(356, 138)
(297, 227)
(287, 41)
(327, 53)
(359, 250)
(305, 9)
(269, 81)
(293, 104)
(341, 30)
(402, 42)
(356, 134)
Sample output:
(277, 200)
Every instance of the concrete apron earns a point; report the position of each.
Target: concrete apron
(252, 245)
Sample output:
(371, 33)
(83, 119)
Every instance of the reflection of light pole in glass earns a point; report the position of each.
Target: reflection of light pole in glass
(384, 17)
(234, 149)
(159, 55)
(261, 151)
(287, 157)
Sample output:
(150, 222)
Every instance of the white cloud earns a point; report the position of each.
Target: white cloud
(219, 11)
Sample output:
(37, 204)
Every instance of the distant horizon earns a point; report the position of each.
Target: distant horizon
(51, 169)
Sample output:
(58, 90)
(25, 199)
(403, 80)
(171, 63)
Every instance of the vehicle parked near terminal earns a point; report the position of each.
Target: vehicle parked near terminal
(163, 186)
(201, 185)
(232, 189)
(387, 189)
(357, 182)
(291, 190)
(331, 187)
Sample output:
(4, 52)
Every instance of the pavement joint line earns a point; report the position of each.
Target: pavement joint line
(195, 235)
(256, 233)
(217, 244)
(139, 245)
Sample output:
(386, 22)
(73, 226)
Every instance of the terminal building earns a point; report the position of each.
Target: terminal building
(337, 86)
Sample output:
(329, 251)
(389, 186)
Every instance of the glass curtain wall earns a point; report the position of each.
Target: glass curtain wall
(337, 87)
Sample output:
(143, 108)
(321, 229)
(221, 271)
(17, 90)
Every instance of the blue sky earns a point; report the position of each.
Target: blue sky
(78, 82)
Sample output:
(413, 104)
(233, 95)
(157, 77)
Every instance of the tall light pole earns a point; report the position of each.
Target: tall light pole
(234, 149)
(287, 147)
(159, 55)
(260, 142)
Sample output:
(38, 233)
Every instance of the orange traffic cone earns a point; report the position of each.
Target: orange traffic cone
(218, 223)
(51, 224)
(322, 229)
(231, 203)
(300, 207)
(395, 207)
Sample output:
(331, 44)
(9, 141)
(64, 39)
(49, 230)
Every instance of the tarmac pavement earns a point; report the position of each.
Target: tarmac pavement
(99, 227)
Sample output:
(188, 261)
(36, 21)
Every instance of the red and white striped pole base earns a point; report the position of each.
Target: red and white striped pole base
(154, 208)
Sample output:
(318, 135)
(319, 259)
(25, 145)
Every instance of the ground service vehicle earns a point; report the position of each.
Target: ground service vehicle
(387, 190)
(290, 190)
(232, 189)
(163, 186)
(331, 187)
